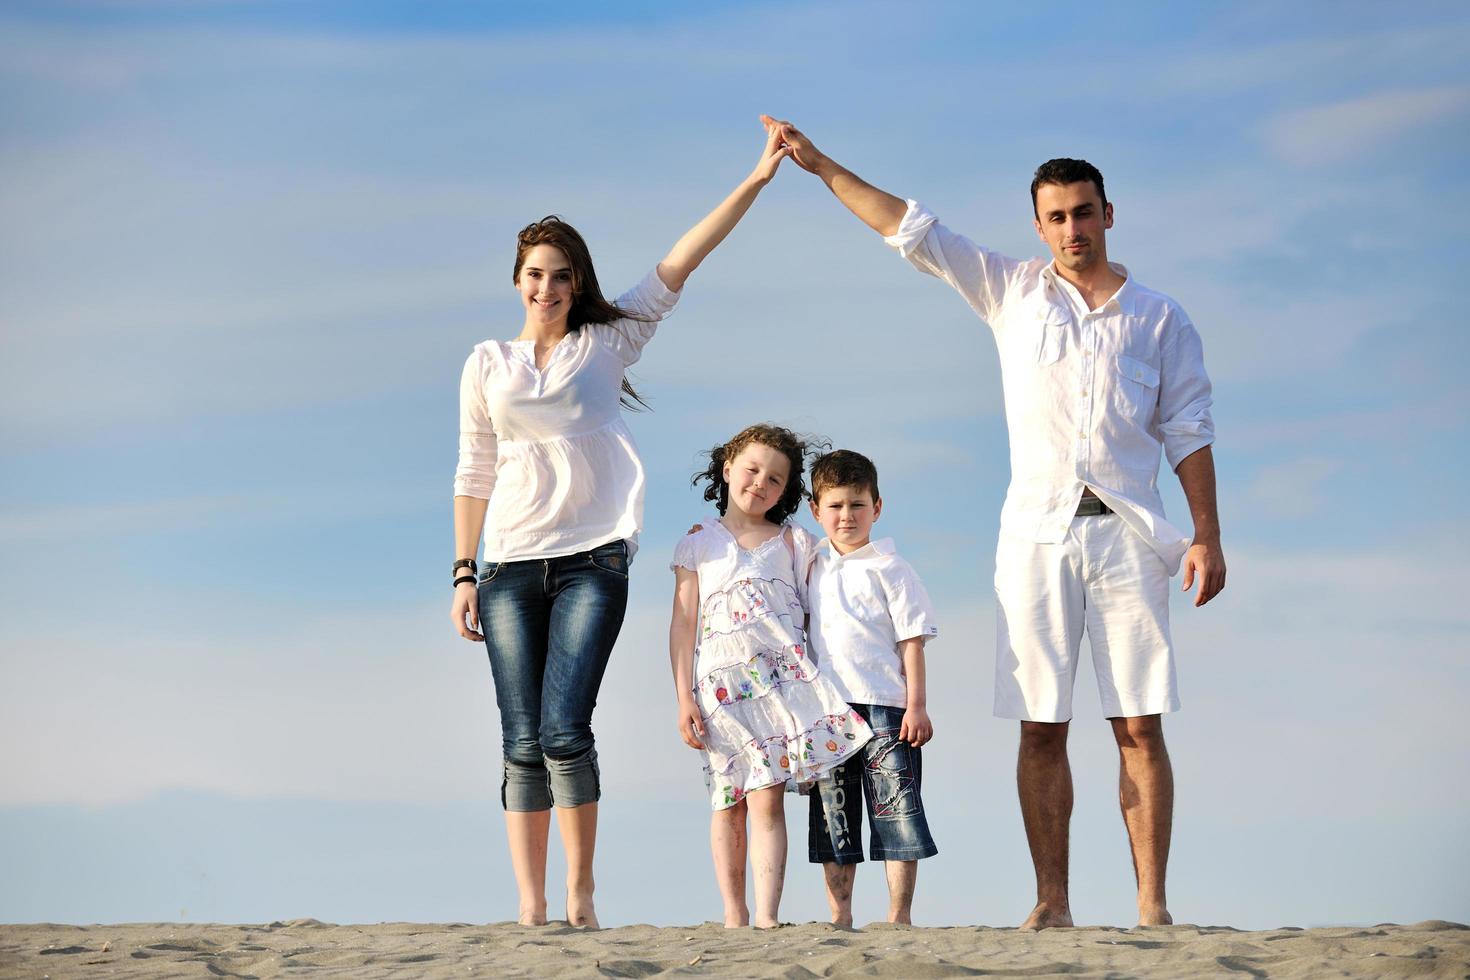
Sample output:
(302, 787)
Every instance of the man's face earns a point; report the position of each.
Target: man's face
(1072, 220)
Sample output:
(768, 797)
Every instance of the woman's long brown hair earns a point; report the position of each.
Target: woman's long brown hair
(588, 303)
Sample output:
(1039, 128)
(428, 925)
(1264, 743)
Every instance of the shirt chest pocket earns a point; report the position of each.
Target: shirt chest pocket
(1053, 334)
(1050, 327)
(1135, 388)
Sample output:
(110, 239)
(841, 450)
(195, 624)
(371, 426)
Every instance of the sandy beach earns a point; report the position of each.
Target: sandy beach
(306, 947)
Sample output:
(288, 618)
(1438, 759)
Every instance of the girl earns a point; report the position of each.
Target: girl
(749, 695)
(548, 471)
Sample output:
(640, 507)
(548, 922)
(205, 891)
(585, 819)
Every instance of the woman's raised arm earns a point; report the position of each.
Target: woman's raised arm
(701, 240)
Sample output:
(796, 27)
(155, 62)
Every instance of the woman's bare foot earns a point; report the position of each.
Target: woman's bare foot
(767, 923)
(1045, 916)
(533, 915)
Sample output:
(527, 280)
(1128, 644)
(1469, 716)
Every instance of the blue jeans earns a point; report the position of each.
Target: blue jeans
(888, 773)
(549, 626)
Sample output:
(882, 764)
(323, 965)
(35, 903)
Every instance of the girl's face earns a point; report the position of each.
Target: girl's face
(545, 284)
(757, 477)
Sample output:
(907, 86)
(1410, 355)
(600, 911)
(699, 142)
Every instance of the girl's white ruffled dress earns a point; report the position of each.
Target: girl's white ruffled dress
(769, 715)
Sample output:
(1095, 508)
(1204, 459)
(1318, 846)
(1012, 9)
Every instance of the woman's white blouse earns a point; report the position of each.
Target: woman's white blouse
(549, 449)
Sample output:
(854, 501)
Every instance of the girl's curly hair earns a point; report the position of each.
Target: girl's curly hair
(784, 441)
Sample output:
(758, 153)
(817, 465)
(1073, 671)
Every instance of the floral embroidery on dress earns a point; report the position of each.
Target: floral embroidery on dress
(770, 716)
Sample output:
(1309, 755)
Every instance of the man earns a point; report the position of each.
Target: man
(1099, 373)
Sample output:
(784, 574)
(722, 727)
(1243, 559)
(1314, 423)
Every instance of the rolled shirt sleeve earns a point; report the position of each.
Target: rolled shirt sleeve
(478, 449)
(908, 602)
(649, 298)
(975, 272)
(1185, 422)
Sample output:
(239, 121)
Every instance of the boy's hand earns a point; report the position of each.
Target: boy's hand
(691, 725)
(916, 728)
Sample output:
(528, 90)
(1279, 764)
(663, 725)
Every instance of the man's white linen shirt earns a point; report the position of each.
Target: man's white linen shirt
(549, 448)
(862, 604)
(1090, 395)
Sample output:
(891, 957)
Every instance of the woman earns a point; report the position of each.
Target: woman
(548, 471)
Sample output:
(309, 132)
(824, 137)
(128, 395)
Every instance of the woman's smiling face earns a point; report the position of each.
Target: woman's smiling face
(545, 284)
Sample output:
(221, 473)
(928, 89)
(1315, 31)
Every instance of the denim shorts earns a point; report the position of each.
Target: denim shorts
(886, 773)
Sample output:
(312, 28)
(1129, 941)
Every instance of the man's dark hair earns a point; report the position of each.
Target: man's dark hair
(1065, 170)
(844, 468)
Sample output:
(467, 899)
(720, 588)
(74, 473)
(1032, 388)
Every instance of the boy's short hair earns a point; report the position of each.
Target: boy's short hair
(843, 468)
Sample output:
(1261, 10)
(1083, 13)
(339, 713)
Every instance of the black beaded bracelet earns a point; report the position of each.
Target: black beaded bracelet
(462, 579)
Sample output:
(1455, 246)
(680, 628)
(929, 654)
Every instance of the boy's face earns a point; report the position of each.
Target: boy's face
(847, 515)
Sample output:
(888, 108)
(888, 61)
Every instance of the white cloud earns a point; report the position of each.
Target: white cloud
(1338, 132)
(1294, 487)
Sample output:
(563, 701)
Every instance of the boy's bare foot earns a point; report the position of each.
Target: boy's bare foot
(581, 911)
(1156, 915)
(1044, 916)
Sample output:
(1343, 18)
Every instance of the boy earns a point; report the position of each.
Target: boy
(870, 617)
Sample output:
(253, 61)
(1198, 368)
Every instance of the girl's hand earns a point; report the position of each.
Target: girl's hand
(691, 725)
(775, 151)
(464, 611)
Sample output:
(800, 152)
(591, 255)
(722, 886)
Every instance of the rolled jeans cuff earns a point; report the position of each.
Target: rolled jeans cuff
(525, 787)
(568, 782)
(575, 780)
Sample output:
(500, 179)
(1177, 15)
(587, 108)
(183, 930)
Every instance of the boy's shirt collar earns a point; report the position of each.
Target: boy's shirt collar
(873, 549)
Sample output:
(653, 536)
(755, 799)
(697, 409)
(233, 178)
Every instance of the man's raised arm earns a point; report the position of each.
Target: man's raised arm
(878, 209)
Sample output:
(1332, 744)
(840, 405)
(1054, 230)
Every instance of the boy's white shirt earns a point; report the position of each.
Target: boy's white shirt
(862, 605)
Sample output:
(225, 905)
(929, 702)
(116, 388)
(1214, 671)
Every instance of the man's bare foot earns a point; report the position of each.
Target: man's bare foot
(737, 918)
(581, 912)
(1156, 915)
(842, 921)
(1045, 916)
(903, 918)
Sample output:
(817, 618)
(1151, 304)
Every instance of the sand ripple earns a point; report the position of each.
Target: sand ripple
(306, 947)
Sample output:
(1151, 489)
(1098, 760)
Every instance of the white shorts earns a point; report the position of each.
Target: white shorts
(1105, 578)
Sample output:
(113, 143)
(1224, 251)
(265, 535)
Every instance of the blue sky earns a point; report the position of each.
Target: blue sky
(246, 248)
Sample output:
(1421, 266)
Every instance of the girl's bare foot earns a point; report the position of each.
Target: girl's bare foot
(1044, 916)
